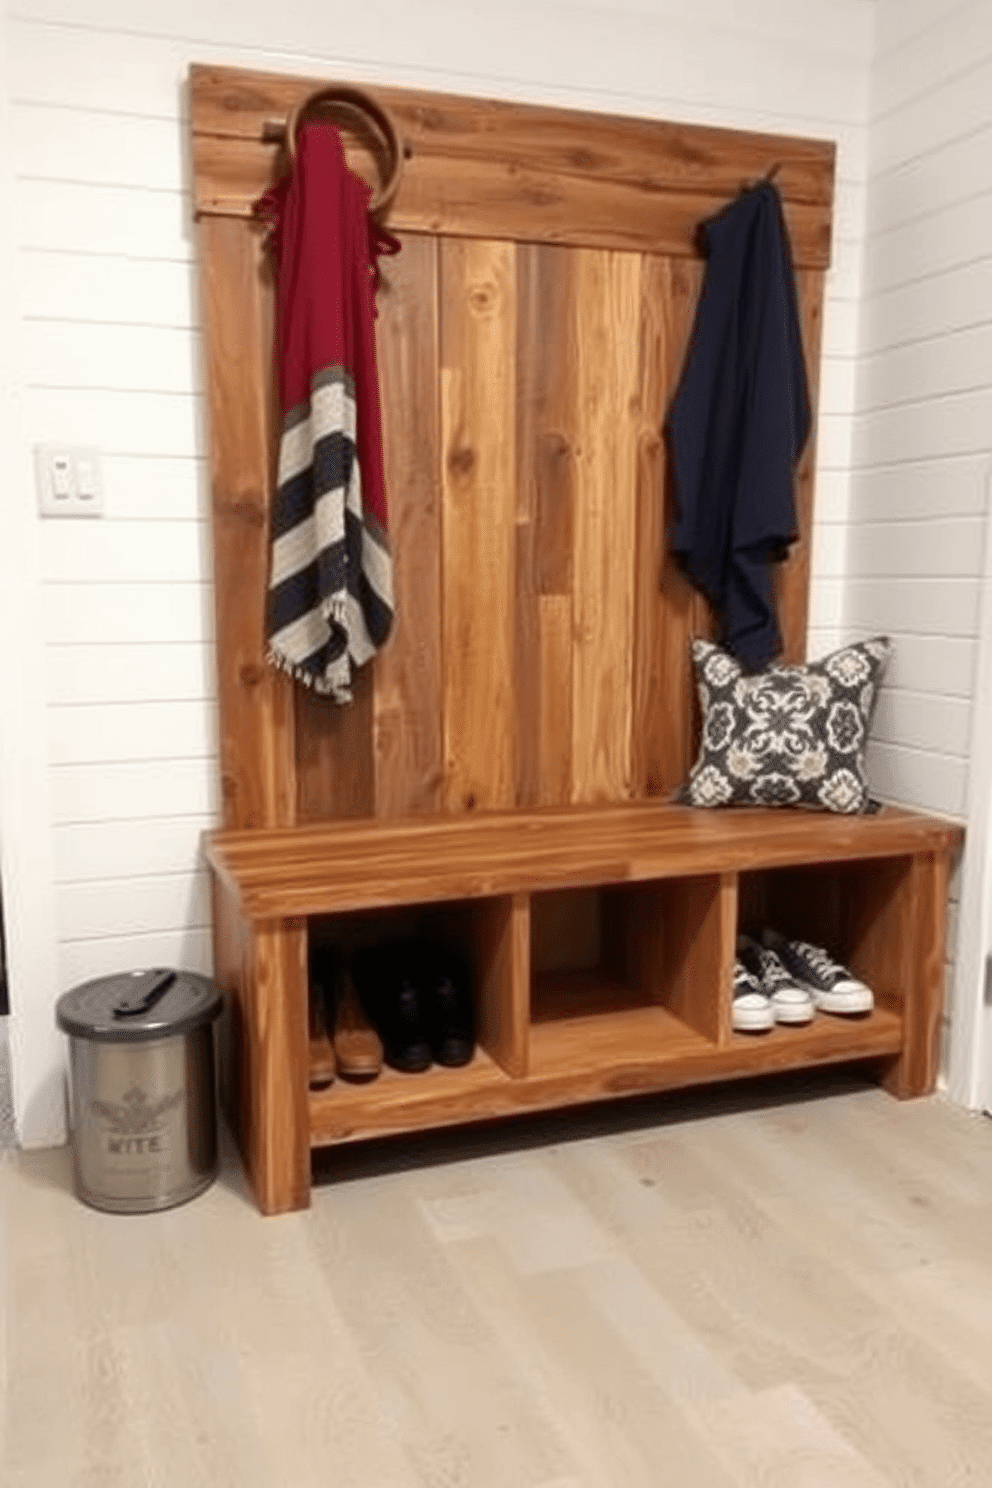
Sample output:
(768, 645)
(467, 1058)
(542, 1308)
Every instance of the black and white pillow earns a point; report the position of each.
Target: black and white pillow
(788, 736)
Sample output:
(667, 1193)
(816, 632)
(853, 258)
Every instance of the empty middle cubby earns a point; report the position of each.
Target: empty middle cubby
(664, 944)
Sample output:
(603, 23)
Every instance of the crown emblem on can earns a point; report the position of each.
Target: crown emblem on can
(134, 1115)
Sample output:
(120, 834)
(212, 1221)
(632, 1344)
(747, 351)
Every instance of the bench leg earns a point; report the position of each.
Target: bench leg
(915, 1071)
(279, 1144)
(263, 968)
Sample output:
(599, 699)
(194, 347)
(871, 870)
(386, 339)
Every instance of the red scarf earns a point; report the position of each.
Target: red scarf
(330, 600)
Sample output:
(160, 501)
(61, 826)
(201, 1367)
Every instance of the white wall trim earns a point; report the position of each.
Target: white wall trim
(36, 1052)
(969, 1078)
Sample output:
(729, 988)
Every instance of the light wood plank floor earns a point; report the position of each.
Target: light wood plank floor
(724, 1290)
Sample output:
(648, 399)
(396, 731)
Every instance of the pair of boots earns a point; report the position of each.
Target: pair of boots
(407, 1004)
(419, 998)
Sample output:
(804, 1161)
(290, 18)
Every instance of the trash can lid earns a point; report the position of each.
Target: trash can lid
(137, 1006)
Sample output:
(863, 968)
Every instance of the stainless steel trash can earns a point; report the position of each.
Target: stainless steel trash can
(143, 1085)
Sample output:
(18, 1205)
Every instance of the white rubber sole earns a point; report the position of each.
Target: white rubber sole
(752, 1019)
(793, 1013)
(847, 999)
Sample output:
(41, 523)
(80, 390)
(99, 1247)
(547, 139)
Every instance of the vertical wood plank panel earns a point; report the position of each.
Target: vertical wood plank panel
(814, 905)
(649, 617)
(792, 577)
(567, 931)
(608, 308)
(527, 367)
(335, 770)
(527, 624)
(478, 566)
(547, 343)
(528, 674)
(258, 772)
(555, 718)
(547, 443)
(670, 722)
(407, 724)
(634, 938)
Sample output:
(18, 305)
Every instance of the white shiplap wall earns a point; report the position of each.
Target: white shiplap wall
(922, 436)
(923, 430)
(111, 357)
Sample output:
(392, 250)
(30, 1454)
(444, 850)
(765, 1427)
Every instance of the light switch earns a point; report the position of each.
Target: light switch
(61, 475)
(69, 480)
(85, 478)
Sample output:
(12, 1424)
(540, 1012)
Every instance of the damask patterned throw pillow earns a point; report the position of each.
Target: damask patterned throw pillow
(788, 736)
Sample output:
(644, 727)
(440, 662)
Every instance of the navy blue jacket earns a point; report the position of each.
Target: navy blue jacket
(738, 423)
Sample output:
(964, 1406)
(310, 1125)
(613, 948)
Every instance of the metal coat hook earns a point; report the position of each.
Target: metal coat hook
(764, 180)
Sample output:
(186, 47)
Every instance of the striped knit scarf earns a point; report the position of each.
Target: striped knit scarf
(330, 599)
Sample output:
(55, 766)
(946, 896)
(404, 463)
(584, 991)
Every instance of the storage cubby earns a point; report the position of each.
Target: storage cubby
(491, 935)
(653, 953)
(483, 934)
(859, 912)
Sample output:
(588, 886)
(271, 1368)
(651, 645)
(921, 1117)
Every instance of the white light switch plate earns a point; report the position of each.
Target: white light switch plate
(69, 480)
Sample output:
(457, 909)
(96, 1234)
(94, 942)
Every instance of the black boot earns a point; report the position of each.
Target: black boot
(451, 1010)
(389, 982)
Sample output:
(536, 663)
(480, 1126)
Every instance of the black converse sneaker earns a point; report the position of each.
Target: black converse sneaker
(834, 988)
(791, 1001)
(751, 1010)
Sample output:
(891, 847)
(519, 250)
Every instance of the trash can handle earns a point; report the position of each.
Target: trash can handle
(140, 1002)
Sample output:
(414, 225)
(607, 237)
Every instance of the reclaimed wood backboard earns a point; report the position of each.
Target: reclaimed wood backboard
(531, 333)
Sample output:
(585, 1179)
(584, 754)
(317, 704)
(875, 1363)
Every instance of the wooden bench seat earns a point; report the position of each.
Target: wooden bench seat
(334, 866)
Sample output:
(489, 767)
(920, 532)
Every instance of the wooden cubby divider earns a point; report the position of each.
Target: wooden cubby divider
(500, 956)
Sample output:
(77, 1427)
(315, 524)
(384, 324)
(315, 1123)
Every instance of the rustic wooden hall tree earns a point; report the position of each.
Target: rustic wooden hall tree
(501, 773)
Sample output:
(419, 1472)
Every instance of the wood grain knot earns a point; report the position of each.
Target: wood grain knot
(430, 120)
(583, 159)
(483, 298)
(248, 510)
(557, 446)
(252, 673)
(542, 196)
(242, 100)
(470, 802)
(461, 460)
